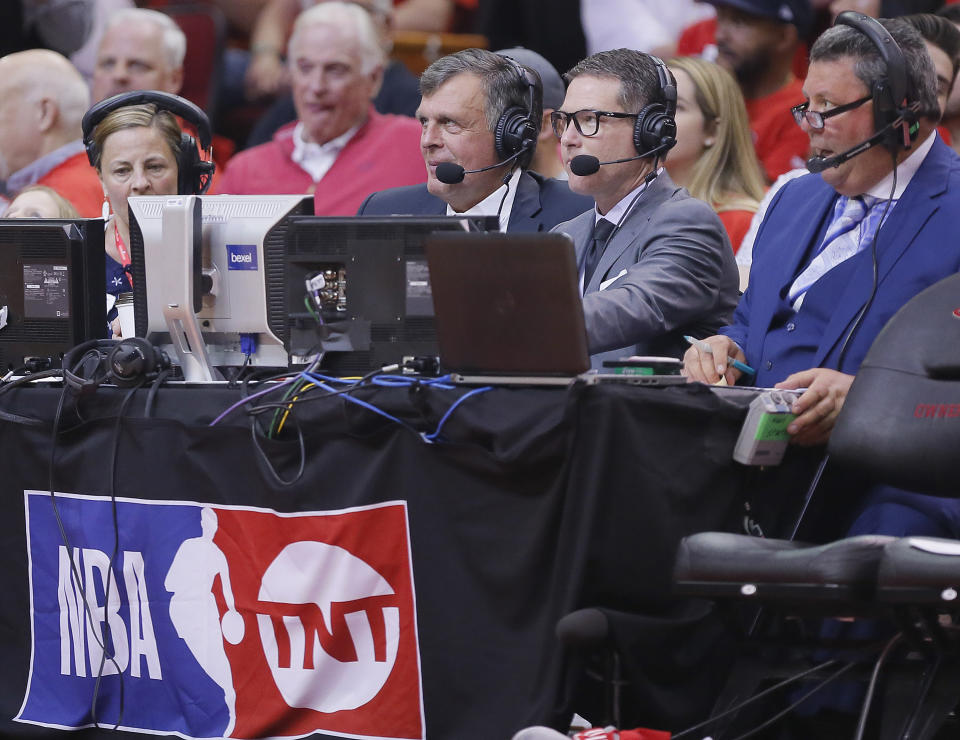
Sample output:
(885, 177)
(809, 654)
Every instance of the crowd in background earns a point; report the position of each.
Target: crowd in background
(251, 88)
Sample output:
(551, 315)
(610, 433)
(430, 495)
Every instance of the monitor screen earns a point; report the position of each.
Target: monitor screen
(371, 303)
(52, 290)
(208, 258)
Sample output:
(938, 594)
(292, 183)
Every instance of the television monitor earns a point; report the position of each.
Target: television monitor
(200, 265)
(375, 307)
(52, 290)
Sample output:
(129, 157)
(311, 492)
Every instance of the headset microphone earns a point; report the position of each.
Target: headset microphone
(450, 174)
(819, 164)
(586, 164)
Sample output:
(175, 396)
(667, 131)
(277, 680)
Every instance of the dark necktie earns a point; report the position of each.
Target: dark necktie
(601, 234)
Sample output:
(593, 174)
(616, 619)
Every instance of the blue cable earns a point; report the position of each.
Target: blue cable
(431, 438)
(399, 381)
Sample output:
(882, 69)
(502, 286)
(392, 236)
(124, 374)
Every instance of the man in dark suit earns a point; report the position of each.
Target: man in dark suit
(480, 109)
(655, 263)
(826, 275)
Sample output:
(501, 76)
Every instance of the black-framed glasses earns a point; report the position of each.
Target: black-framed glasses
(816, 118)
(587, 120)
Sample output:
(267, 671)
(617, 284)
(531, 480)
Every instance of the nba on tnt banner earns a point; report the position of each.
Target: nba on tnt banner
(222, 621)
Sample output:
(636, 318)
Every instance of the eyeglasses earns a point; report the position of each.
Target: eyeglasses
(587, 121)
(816, 118)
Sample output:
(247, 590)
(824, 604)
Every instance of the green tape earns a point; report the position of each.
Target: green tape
(632, 370)
(773, 427)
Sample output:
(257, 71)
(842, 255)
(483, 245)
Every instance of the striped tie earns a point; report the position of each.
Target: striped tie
(852, 230)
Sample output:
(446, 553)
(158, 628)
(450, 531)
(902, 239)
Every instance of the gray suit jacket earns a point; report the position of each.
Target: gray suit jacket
(668, 271)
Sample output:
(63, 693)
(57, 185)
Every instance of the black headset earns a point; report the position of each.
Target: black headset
(890, 91)
(123, 362)
(656, 126)
(194, 174)
(516, 130)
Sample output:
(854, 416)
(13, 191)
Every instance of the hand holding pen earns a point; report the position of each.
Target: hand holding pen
(708, 360)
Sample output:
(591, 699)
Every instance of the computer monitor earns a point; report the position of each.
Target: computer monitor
(200, 265)
(375, 307)
(52, 290)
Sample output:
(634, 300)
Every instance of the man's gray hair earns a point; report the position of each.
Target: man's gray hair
(844, 42)
(502, 82)
(636, 71)
(174, 39)
(349, 19)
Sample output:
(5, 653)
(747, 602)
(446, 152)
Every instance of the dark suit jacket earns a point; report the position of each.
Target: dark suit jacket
(916, 247)
(540, 204)
(668, 271)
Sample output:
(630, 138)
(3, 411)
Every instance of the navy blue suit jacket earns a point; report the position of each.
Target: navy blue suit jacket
(917, 246)
(540, 204)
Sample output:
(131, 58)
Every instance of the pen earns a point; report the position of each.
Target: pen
(704, 347)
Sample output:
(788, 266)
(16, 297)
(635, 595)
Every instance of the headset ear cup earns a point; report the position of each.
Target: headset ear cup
(655, 129)
(188, 161)
(512, 131)
(135, 360)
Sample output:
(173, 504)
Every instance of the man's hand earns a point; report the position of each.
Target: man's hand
(266, 76)
(818, 407)
(709, 368)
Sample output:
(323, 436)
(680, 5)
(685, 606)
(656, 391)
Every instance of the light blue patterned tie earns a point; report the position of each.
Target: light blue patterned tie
(851, 231)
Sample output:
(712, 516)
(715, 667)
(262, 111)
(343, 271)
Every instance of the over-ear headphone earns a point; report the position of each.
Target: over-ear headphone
(123, 362)
(194, 173)
(516, 130)
(889, 92)
(656, 126)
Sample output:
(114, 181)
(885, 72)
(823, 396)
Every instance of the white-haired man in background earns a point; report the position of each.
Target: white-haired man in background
(339, 147)
(140, 50)
(42, 101)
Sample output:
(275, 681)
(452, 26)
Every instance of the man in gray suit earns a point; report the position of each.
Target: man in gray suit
(655, 263)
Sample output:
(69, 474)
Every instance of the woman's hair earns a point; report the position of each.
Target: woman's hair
(726, 174)
(136, 116)
(65, 209)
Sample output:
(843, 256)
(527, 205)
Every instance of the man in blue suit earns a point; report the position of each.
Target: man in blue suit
(481, 110)
(840, 252)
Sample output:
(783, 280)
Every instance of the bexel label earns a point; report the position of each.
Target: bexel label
(242, 256)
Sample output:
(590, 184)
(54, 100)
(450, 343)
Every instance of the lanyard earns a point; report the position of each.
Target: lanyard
(123, 252)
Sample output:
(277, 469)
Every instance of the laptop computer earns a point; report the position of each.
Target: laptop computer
(507, 308)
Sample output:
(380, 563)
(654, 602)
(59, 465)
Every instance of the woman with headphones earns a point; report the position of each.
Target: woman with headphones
(135, 142)
(137, 147)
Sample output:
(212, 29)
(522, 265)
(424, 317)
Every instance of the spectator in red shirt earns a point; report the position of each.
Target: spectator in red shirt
(339, 148)
(756, 41)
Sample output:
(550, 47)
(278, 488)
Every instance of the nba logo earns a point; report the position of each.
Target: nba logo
(223, 622)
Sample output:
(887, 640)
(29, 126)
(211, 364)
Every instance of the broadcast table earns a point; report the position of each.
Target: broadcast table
(394, 587)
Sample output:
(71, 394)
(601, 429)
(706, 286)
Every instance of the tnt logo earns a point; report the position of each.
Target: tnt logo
(241, 256)
(223, 622)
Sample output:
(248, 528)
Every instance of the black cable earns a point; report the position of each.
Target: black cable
(263, 455)
(756, 697)
(876, 268)
(75, 578)
(154, 388)
(111, 562)
(871, 687)
(506, 181)
(17, 418)
(784, 712)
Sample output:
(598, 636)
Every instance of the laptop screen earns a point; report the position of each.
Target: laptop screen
(507, 304)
